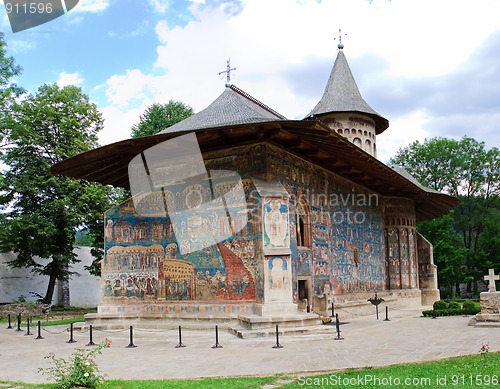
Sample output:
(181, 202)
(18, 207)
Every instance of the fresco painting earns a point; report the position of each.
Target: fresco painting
(275, 222)
(393, 257)
(278, 272)
(334, 202)
(155, 257)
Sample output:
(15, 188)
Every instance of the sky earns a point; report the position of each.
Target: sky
(431, 67)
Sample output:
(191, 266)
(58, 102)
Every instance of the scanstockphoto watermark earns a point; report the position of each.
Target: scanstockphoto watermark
(25, 14)
(371, 380)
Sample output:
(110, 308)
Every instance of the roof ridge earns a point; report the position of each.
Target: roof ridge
(254, 100)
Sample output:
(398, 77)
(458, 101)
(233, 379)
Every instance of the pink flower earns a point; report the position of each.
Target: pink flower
(108, 342)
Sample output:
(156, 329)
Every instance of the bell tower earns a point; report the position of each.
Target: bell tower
(343, 109)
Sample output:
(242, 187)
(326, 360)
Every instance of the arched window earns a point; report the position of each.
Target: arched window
(339, 131)
(304, 236)
(357, 142)
(368, 146)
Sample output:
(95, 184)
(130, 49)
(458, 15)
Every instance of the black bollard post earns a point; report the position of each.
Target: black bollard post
(386, 314)
(28, 332)
(333, 310)
(131, 344)
(180, 339)
(39, 330)
(71, 340)
(433, 313)
(277, 345)
(377, 310)
(337, 325)
(91, 341)
(19, 322)
(10, 325)
(216, 345)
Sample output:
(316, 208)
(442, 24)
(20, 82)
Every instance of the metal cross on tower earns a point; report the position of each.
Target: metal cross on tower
(228, 71)
(340, 46)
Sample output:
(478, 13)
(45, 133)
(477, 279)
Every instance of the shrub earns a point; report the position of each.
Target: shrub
(454, 305)
(470, 307)
(440, 304)
(79, 371)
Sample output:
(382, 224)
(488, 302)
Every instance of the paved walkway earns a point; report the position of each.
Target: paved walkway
(368, 342)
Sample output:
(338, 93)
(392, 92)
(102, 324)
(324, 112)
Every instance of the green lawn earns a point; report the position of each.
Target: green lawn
(44, 322)
(460, 372)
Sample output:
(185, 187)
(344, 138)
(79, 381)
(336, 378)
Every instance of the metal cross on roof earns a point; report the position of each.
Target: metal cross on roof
(340, 45)
(491, 278)
(228, 71)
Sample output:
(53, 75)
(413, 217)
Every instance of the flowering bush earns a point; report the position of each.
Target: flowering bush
(485, 348)
(80, 370)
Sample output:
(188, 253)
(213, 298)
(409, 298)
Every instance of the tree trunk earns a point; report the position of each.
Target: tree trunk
(50, 289)
(65, 290)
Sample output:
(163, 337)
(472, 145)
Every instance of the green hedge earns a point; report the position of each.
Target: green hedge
(450, 312)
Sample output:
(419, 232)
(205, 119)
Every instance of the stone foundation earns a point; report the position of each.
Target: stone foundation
(490, 309)
(194, 315)
(353, 305)
(430, 296)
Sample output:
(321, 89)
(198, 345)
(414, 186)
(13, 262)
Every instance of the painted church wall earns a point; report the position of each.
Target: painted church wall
(400, 237)
(153, 256)
(334, 232)
(344, 253)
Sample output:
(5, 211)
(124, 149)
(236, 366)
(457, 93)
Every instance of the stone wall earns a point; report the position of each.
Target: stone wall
(14, 283)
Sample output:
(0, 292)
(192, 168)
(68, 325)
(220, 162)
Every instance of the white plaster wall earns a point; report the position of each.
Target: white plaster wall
(85, 289)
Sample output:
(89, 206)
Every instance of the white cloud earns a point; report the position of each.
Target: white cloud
(159, 6)
(132, 88)
(118, 122)
(265, 39)
(21, 46)
(66, 79)
(402, 131)
(92, 6)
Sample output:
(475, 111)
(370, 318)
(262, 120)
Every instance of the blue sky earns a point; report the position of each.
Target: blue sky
(432, 68)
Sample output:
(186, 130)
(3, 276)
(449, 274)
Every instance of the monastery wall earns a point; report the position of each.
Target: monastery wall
(16, 282)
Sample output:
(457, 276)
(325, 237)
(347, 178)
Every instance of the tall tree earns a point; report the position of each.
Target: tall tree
(158, 117)
(9, 90)
(465, 169)
(41, 212)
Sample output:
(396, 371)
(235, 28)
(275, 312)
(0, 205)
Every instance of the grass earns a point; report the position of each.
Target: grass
(56, 316)
(44, 322)
(469, 371)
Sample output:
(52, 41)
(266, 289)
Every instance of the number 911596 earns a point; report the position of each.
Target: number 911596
(29, 8)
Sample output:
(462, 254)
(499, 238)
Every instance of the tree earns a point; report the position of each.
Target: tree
(41, 211)
(467, 170)
(158, 117)
(448, 252)
(9, 91)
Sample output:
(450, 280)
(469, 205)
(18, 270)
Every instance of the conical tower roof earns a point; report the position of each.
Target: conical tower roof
(342, 95)
(233, 106)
